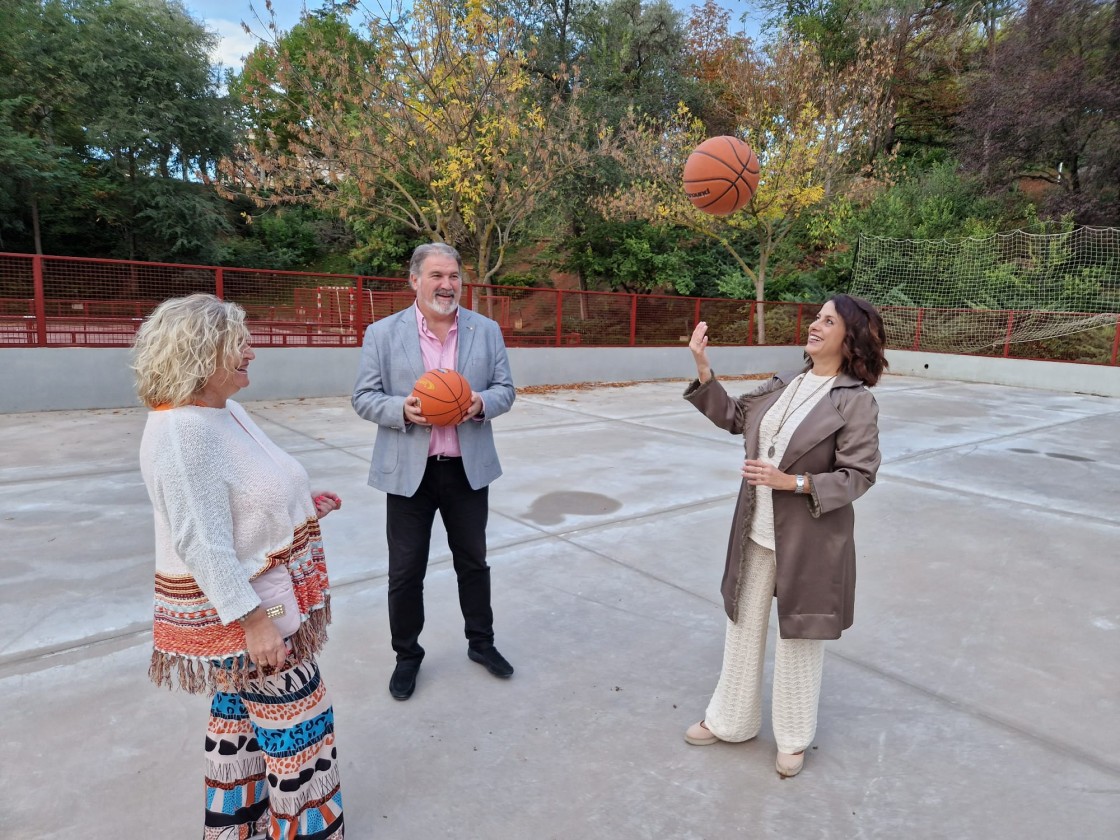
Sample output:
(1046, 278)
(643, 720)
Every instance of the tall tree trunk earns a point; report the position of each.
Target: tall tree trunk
(37, 231)
(133, 281)
(829, 142)
(990, 23)
(577, 230)
(483, 269)
(1114, 35)
(1114, 48)
(986, 147)
(760, 294)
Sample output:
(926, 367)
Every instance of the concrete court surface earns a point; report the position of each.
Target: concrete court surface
(976, 696)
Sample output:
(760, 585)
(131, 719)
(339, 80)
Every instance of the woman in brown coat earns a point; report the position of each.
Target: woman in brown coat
(812, 447)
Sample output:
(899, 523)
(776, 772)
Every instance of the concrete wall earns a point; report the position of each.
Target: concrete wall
(79, 378)
(67, 378)
(76, 378)
(1049, 376)
(565, 365)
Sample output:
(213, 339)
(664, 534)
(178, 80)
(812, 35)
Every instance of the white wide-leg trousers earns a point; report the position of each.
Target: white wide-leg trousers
(735, 710)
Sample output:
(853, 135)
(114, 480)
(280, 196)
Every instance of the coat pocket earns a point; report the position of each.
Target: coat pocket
(386, 451)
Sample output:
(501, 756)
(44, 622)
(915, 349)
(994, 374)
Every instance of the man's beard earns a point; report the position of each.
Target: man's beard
(444, 306)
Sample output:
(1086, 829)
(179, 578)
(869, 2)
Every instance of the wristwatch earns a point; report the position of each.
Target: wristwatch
(800, 484)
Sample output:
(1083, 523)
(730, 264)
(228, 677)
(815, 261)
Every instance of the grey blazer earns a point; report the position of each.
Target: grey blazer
(391, 364)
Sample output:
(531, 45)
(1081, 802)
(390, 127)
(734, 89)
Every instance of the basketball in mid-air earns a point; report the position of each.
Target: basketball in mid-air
(721, 175)
(445, 396)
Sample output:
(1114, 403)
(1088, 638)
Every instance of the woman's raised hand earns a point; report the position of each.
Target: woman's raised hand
(325, 502)
(698, 344)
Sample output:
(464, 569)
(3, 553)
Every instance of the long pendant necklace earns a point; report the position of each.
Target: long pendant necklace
(786, 413)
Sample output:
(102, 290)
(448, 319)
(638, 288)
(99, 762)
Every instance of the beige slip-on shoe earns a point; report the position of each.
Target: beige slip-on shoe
(789, 765)
(699, 735)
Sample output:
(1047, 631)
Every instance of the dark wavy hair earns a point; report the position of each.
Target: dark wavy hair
(864, 336)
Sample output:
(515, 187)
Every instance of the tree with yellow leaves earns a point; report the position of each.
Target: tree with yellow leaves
(433, 123)
(777, 109)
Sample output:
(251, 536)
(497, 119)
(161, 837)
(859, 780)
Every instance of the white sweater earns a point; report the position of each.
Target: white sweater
(800, 396)
(229, 504)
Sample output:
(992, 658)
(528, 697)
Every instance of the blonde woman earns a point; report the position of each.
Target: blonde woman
(242, 599)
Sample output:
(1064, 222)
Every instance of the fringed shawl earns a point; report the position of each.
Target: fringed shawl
(196, 652)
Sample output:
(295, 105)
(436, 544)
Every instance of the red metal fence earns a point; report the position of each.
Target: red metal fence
(78, 302)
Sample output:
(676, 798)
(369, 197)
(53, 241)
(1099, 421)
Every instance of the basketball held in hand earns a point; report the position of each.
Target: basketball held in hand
(445, 396)
(721, 175)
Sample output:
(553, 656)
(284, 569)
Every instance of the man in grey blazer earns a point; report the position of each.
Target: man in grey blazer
(425, 468)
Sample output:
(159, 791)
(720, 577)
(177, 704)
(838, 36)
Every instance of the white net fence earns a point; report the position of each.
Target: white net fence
(968, 294)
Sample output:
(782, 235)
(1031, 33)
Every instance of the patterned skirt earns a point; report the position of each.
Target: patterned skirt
(271, 765)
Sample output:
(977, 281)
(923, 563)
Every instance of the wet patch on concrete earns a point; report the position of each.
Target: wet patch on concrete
(553, 508)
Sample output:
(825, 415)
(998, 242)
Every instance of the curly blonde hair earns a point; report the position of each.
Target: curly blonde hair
(182, 344)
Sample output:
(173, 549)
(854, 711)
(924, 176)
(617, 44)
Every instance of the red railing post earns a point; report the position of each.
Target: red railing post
(797, 338)
(220, 283)
(633, 319)
(918, 330)
(1116, 342)
(695, 317)
(360, 323)
(1007, 336)
(750, 325)
(559, 317)
(468, 291)
(40, 301)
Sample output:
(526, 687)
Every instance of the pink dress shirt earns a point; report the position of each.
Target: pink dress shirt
(440, 354)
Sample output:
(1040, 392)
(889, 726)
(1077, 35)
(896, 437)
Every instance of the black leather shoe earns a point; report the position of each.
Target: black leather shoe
(493, 661)
(403, 681)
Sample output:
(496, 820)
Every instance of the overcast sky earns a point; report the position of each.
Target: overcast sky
(225, 16)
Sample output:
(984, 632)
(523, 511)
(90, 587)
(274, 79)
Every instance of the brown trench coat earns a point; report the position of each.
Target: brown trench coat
(837, 444)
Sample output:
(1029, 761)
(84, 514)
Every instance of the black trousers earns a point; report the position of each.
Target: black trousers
(408, 527)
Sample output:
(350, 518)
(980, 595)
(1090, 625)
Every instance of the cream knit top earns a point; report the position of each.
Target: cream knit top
(804, 392)
(229, 505)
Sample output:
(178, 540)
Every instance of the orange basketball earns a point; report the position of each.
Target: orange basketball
(721, 175)
(445, 396)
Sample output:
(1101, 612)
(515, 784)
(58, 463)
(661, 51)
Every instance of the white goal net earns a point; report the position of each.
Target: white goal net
(967, 294)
